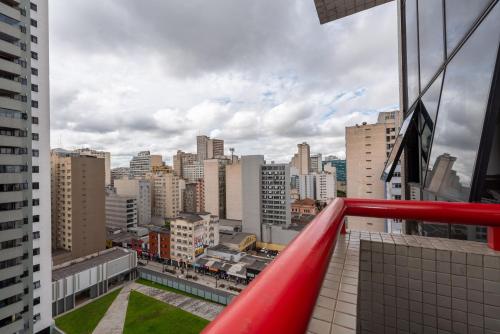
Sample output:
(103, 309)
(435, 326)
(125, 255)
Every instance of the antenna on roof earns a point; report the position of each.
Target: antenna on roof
(231, 149)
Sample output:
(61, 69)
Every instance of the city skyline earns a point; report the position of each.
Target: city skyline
(166, 80)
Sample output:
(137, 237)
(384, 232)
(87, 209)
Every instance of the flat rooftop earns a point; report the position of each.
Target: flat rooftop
(76, 267)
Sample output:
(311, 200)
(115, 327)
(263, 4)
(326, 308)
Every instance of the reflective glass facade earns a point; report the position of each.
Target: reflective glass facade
(450, 79)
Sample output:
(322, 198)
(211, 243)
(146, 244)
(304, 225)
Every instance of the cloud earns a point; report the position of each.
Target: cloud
(264, 75)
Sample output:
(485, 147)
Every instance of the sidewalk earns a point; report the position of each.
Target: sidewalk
(114, 319)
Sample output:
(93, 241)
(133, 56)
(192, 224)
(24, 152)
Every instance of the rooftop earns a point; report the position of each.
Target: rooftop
(75, 267)
(233, 238)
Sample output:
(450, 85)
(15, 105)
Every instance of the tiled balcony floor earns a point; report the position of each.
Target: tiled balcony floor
(336, 306)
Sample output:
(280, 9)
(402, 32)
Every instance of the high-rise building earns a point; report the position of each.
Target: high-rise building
(103, 155)
(335, 165)
(302, 159)
(275, 194)
(143, 163)
(182, 159)
(316, 163)
(234, 191)
(367, 148)
(191, 234)
(119, 173)
(193, 171)
(215, 186)
(142, 190)
(167, 194)
(121, 211)
(78, 205)
(326, 189)
(24, 167)
(307, 186)
(207, 148)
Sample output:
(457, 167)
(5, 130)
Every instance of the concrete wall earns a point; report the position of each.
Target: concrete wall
(234, 191)
(251, 184)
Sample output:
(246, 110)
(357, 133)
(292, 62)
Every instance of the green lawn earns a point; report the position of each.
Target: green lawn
(84, 320)
(148, 315)
(167, 288)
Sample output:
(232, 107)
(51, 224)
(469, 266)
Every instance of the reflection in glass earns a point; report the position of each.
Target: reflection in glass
(461, 113)
(428, 111)
(411, 50)
(460, 15)
(399, 143)
(430, 22)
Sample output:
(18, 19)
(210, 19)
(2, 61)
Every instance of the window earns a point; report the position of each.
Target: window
(35, 136)
(34, 120)
(33, 22)
(23, 29)
(35, 169)
(460, 15)
(34, 55)
(397, 197)
(460, 118)
(36, 185)
(33, 7)
(36, 301)
(34, 39)
(431, 37)
(36, 235)
(35, 153)
(36, 201)
(34, 71)
(36, 218)
(411, 50)
(34, 88)
(34, 104)
(22, 46)
(36, 251)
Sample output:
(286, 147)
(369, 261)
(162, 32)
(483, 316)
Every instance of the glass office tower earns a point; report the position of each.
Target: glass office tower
(451, 96)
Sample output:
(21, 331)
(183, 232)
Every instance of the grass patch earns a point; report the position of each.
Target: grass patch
(167, 288)
(148, 315)
(84, 320)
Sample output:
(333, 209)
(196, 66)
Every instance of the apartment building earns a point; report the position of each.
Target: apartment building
(326, 189)
(24, 167)
(316, 163)
(307, 186)
(191, 234)
(182, 159)
(335, 165)
(121, 211)
(275, 194)
(234, 198)
(143, 163)
(78, 205)
(167, 194)
(193, 171)
(103, 155)
(303, 160)
(367, 149)
(215, 186)
(142, 190)
(207, 148)
(119, 173)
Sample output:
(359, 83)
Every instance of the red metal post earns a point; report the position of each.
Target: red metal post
(494, 238)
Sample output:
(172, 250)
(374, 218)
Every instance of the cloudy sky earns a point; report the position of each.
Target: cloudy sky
(130, 75)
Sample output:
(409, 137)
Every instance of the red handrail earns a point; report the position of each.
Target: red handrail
(282, 297)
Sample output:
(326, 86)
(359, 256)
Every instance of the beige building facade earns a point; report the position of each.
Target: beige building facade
(215, 186)
(142, 190)
(367, 149)
(78, 205)
(234, 191)
(167, 194)
(182, 159)
(102, 155)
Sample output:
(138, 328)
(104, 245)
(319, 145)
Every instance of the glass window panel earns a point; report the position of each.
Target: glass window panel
(460, 15)
(428, 110)
(397, 149)
(461, 113)
(411, 50)
(430, 22)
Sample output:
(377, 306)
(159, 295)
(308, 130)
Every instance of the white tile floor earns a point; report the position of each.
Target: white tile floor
(335, 311)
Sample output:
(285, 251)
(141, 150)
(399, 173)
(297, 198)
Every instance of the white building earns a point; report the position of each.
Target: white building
(191, 234)
(307, 186)
(142, 190)
(121, 211)
(143, 163)
(25, 214)
(326, 189)
(193, 171)
(316, 163)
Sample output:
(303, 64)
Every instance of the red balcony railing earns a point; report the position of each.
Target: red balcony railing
(282, 298)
